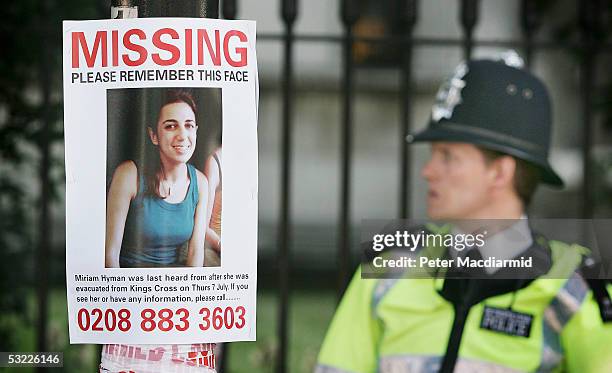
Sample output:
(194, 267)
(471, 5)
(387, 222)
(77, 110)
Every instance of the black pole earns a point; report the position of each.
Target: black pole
(102, 8)
(408, 17)
(148, 8)
(530, 22)
(348, 15)
(208, 9)
(230, 9)
(469, 17)
(289, 15)
(44, 223)
(589, 12)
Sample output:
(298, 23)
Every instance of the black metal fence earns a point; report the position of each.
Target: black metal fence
(591, 42)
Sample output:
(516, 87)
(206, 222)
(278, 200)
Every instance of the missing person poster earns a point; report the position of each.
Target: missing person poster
(160, 124)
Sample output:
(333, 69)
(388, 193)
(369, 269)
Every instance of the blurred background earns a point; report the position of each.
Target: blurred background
(341, 85)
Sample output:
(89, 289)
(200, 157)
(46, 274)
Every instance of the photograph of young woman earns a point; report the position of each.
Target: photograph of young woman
(158, 208)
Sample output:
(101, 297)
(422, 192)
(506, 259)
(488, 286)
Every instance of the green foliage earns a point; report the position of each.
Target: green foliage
(31, 40)
(310, 315)
(15, 241)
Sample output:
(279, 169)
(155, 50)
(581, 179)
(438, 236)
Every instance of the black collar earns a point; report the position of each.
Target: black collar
(469, 287)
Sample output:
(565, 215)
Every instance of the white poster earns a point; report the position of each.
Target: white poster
(160, 119)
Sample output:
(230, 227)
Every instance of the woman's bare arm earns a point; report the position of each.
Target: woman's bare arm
(195, 251)
(213, 239)
(122, 190)
(212, 172)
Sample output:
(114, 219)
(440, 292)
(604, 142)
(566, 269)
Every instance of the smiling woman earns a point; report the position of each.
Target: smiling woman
(156, 208)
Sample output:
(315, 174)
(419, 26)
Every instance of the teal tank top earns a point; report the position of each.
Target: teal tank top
(156, 230)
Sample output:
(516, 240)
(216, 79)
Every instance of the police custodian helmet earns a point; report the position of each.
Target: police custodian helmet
(496, 105)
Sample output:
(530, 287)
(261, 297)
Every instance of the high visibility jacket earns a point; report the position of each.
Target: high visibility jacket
(403, 325)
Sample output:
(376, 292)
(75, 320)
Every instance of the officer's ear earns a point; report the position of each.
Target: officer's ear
(503, 170)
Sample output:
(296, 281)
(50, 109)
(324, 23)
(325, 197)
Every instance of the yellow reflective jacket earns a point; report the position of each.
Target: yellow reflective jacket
(391, 325)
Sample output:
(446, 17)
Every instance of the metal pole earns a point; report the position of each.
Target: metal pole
(408, 18)
(289, 15)
(530, 22)
(208, 9)
(348, 15)
(469, 17)
(230, 9)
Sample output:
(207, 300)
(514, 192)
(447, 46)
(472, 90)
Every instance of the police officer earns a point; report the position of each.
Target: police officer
(490, 136)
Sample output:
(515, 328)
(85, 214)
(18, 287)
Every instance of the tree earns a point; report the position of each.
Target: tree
(30, 125)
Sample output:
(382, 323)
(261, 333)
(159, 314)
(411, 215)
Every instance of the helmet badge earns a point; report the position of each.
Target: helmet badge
(511, 58)
(449, 94)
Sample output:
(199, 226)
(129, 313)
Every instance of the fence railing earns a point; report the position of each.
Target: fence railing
(589, 19)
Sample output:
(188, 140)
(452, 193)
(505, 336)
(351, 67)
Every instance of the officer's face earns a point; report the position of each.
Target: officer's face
(459, 181)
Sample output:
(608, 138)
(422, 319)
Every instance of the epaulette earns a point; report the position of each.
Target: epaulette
(591, 271)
